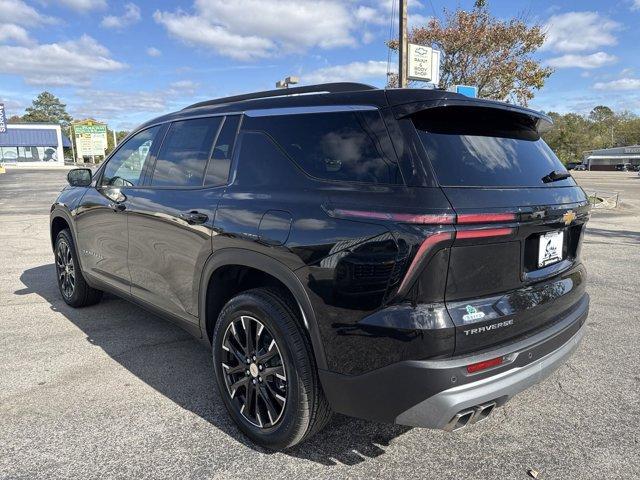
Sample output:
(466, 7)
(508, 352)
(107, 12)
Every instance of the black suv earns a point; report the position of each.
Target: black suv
(408, 256)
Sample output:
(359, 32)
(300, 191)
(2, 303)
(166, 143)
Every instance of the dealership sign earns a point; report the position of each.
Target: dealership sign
(3, 119)
(424, 64)
(91, 138)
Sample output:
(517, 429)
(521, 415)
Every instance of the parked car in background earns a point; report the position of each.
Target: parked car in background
(407, 256)
(580, 168)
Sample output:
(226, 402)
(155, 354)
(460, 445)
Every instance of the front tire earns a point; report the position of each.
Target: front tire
(73, 287)
(266, 372)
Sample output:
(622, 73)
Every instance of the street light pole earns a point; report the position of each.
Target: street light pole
(402, 45)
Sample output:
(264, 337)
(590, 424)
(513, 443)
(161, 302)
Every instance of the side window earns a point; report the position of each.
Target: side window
(126, 166)
(218, 169)
(345, 146)
(262, 163)
(184, 153)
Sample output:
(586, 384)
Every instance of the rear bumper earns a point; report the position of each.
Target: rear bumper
(439, 410)
(431, 393)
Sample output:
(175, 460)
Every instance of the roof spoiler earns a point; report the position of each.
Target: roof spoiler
(543, 122)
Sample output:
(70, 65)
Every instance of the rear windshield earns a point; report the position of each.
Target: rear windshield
(486, 147)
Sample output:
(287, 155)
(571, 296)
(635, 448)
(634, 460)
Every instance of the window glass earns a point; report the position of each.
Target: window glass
(335, 145)
(485, 147)
(261, 163)
(184, 153)
(218, 169)
(126, 165)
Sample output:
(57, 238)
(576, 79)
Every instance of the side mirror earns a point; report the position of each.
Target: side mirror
(79, 177)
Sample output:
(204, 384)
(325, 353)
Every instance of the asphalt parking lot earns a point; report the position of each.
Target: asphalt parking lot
(112, 391)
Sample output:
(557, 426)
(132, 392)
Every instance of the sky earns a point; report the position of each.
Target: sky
(125, 62)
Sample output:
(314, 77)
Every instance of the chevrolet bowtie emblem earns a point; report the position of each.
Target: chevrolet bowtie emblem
(568, 217)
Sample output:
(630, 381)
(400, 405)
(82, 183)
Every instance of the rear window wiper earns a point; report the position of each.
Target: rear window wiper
(554, 176)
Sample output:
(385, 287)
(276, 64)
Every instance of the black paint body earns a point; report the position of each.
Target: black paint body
(345, 273)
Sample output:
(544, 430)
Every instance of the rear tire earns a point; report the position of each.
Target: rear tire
(277, 402)
(73, 287)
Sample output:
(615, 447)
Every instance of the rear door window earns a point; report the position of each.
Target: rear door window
(484, 147)
(218, 169)
(345, 146)
(184, 153)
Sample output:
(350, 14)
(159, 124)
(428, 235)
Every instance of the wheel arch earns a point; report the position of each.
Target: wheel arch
(230, 257)
(60, 220)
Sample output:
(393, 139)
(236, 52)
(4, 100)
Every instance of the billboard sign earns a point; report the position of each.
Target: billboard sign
(423, 64)
(3, 119)
(91, 138)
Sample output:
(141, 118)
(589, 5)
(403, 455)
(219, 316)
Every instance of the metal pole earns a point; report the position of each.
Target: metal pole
(73, 150)
(402, 45)
(115, 141)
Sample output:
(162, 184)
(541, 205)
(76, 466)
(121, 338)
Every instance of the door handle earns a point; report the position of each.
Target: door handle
(118, 207)
(194, 217)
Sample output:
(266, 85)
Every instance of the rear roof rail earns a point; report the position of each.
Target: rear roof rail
(338, 87)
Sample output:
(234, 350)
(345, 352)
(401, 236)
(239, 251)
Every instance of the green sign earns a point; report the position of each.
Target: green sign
(81, 129)
(91, 139)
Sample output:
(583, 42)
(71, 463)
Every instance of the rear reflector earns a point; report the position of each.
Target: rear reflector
(484, 233)
(486, 217)
(477, 367)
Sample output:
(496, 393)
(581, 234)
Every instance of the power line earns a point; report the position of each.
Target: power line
(391, 29)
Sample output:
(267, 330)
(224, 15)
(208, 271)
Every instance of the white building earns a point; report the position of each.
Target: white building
(32, 144)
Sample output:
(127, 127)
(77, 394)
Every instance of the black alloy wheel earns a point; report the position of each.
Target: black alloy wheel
(74, 289)
(65, 267)
(266, 371)
(254, 372)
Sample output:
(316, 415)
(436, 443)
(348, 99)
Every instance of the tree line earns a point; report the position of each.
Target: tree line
(574, 134)
(47, 108)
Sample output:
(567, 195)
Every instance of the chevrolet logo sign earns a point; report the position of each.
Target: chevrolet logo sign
(568, 217)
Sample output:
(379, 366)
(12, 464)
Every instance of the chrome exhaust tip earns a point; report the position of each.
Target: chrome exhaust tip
(460, 420)
(483, 411)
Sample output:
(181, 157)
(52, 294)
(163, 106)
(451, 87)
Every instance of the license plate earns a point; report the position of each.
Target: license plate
(550, 249)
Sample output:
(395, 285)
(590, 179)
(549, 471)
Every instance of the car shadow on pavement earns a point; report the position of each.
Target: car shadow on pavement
(178, 366)
(632, 235)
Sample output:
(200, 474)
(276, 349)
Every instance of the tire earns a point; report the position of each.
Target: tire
(305, 410)
(73, 287)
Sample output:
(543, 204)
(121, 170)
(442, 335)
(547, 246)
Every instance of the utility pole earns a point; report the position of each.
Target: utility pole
(402, 45)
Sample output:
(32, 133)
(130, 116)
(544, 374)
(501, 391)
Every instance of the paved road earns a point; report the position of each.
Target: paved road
(111, 391)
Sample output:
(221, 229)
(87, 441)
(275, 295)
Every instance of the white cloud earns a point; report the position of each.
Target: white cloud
(594, 60)
(416, 20)
(183, 87)
(130, 16)
(19, 13)
(251, 29)
(153, 52)
(125, 110)
(83, 5)
(579, 32)
(74, 62)
(635, 5)
(11, 32)
(371, 15)
(620, 84)
(108, 104)
(355, 71)
(367, 37)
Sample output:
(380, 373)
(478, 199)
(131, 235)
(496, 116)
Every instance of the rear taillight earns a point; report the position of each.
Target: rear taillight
(423, 251)
(474, 226)
(485, 217)
(484, 365)
(422, 219)
(484, 233)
